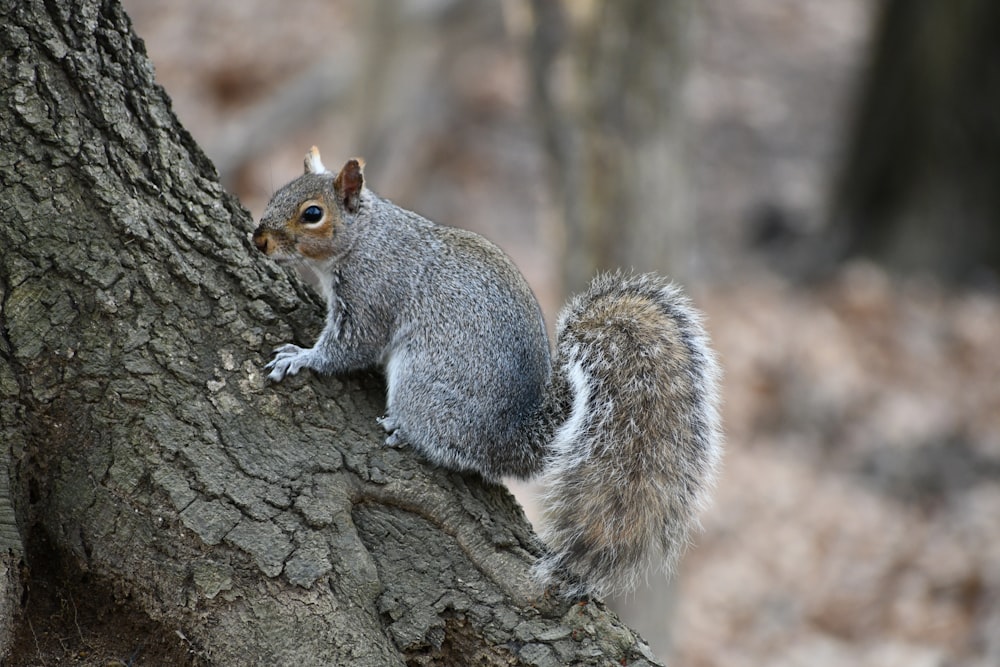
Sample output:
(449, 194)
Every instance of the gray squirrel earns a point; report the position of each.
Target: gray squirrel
(623, 427)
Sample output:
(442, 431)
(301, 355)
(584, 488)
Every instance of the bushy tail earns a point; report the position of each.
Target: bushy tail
(632, 462)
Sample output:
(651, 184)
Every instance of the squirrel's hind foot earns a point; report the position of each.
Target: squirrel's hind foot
(391, 426)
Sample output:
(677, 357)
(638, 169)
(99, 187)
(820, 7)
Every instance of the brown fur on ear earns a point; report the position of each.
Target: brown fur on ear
(349, 182)
(312, 164)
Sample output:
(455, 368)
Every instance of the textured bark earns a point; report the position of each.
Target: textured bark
(149, 459)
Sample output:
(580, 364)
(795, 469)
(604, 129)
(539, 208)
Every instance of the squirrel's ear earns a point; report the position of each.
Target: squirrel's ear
(312, 163)
(349, 182)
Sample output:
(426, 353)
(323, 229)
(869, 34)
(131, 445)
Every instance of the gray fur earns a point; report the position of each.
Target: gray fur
(449, 319)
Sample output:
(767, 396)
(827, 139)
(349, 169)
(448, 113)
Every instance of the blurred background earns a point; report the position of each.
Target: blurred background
(824, 178)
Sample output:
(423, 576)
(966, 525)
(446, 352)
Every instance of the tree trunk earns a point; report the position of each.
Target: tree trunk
(181, 509)
(918, 187)
(606, 80)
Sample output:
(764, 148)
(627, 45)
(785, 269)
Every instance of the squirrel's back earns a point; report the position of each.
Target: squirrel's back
(633, 460)
(468, 369)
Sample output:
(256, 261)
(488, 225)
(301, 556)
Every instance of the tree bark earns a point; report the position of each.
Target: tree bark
(150, 464)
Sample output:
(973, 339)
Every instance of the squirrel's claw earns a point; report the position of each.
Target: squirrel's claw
(288, 360)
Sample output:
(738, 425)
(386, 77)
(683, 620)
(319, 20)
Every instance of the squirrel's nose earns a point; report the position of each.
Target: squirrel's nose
(263, 241)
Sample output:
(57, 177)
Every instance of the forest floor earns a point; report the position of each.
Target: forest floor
(857, 520)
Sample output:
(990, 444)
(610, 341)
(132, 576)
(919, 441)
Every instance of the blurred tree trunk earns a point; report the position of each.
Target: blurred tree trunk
(918, 189)
(166, 505)
(607, 78)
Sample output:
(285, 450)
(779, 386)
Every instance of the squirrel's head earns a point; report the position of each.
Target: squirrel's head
(305, 218)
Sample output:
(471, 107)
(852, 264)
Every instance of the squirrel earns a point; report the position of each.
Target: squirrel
(623, 427)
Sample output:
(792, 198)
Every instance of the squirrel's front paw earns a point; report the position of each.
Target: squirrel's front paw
(288, 360)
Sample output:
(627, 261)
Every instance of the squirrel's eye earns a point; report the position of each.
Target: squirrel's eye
(312, 215)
